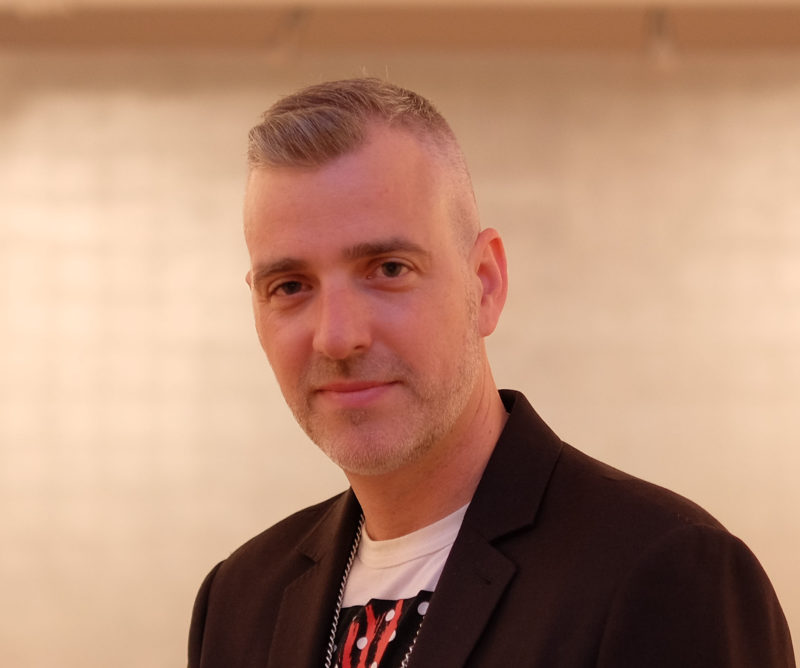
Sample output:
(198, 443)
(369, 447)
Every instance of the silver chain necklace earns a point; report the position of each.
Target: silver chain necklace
(340, 599)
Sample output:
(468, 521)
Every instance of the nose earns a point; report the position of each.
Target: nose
(342, 326)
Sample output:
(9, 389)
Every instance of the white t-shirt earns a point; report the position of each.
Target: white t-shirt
(387, 594)
(401, 567)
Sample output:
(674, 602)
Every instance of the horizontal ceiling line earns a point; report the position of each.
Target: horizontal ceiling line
(618, 28)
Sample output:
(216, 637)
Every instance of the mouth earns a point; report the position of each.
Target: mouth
(353, 394)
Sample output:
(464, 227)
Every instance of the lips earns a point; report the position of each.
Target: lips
(353, 394)
(350, 386)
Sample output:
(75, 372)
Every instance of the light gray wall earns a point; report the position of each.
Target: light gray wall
(652, 219)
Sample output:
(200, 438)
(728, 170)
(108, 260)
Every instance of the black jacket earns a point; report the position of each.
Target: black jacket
(561, 562)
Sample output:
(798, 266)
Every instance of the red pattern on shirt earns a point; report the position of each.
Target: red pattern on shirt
(378, 633)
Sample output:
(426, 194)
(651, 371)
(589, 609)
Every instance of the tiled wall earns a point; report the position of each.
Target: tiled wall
(652, 218)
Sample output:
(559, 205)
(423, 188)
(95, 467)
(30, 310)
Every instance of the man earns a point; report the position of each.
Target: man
(471, 535)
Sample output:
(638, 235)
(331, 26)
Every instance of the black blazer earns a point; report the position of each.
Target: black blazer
(561, 562)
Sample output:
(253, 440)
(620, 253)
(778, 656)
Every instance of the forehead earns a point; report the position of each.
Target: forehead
(391, 185)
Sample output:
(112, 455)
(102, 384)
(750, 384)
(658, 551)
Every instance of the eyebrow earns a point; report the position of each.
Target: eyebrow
(358, 251)
(281, 266)
(383, 246)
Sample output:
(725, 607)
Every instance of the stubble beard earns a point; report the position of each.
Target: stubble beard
(373, 442)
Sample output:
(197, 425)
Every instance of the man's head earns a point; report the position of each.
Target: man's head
(372, 290)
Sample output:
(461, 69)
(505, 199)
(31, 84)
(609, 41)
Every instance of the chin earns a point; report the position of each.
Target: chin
(361, 456)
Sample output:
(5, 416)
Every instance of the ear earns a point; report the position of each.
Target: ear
(489, 261)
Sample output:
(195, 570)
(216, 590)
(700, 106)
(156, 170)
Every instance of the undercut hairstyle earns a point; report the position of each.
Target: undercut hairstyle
(325, 121)
(322, 122)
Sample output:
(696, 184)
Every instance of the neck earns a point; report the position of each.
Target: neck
(428, 489)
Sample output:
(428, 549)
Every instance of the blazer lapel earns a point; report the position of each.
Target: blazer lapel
(467, 594)
(477, 572)
(307, 606)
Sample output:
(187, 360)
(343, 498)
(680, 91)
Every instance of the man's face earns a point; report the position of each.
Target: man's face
(364, 301)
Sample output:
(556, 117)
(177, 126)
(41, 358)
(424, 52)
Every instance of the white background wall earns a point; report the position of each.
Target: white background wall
(652, 218)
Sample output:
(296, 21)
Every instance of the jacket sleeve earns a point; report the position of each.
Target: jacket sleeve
(197, 627)
(697, 598)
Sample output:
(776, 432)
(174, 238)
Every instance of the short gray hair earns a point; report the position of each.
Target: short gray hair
(327, 120)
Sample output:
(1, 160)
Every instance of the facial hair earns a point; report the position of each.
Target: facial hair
(373, 441)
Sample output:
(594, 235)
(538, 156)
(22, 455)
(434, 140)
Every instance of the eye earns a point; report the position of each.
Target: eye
(392, 269)
(286, 289)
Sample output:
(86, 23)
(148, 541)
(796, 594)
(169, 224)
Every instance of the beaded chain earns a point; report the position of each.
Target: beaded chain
(340, 597)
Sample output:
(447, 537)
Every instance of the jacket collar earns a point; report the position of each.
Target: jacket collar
(477, 571)
(306, 608)
(516, 476)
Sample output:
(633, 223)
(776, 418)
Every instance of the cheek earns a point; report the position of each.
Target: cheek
(287, 367)
(431, 337)
(281, 348)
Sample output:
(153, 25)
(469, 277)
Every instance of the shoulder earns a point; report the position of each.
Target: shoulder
(609, 519)
(610, 496)
(249, 584)
(704, 587)
(270, 559)
(537, 479)
(647, 575)
(278, 541)
(556, 482)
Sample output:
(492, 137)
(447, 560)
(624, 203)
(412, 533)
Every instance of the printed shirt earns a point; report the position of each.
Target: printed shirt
(388, 592)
